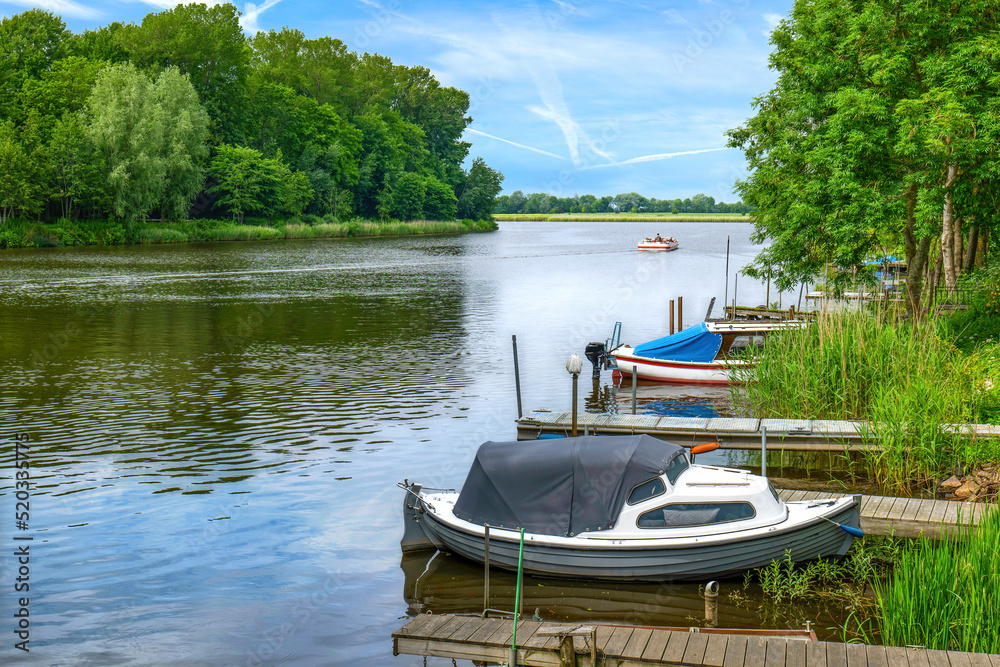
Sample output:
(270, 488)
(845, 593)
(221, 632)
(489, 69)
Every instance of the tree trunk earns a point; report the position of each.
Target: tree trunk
(956, 246)
(916, 254)
(970, 252)
(948, 231)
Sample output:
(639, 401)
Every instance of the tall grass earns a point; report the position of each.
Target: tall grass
(906, 382)
(946, 595)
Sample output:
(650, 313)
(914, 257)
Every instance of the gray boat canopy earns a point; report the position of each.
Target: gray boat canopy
(562, 486)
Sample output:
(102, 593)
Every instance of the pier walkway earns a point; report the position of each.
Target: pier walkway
(731, 433)
(540, 643)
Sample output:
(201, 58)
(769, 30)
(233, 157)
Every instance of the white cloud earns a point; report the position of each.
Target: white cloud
(772, 21)
(250, 13)
(59, 7)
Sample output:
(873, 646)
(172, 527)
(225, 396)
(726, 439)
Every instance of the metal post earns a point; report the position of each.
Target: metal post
(736, 287)
(763, 451)
(634, 380)
(575, 377)
(711, 304)
(712, 604)
(680, 313)
(517, 377)
(671, 317)
(725, 296)
(486, 563)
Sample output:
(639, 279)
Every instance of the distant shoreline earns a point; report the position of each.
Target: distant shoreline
(622, 217)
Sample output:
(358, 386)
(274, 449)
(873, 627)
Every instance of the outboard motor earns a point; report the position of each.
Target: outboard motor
(595, 352)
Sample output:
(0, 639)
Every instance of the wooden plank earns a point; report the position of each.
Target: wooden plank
(756, 652)
(882, 512)
(958, 659)
(918, 658)
(654, 647)
(736, 651)
(795, 654)
(836, 654)
(502, 634)
(526, 630)
(980, 660)
(898, 505)
(896, 656)
(938, 658)
(413, 626)
(433, 627)
(675, 646)
(775, 651)
(867, 503)
(619, 639)
(915, 509)
(876, 656)
(816, 654)
(871, 507)
(604, 633)
(637, 643)
(486, 628)
(694, 654)
(995, 659)
(937, 511)
(856, 655)
(462, 630)
(715, 651)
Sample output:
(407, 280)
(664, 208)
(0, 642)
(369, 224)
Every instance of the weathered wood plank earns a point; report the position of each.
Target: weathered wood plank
(637, 643)
(896, 656)
(486, 629)
(876, 656)
(756, 652)
(795, 654)
(694, 653)
(604, 633)
(980, 660)
(618, 640)
(856, 655)
(959, 659)
(460, 631)
(736, 651)
(836, 654)
(775, 654)
(656, 644)
(918, 658)
(915, 509)
(938, 658)
(413, 626)
(898, 505)
(715, 651)
(676, 646)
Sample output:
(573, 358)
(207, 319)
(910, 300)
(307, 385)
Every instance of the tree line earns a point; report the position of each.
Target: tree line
(185, 116)
(882, 132)
(629, 202)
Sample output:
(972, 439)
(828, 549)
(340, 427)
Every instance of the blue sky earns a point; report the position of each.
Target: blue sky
(568, 96)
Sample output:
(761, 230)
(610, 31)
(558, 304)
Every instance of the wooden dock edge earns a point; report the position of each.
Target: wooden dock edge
(488, 640)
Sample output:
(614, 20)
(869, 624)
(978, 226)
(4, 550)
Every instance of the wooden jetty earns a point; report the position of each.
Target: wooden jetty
(905, 517)
(730, 433)
(544, 644)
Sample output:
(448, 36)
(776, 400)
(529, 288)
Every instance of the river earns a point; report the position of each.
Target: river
(216, 431)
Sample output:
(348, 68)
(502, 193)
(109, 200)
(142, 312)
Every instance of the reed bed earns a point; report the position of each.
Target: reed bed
(946, 595)
(905, 381)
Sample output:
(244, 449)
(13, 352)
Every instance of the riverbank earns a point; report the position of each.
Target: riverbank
(623, 217)
(110, 232)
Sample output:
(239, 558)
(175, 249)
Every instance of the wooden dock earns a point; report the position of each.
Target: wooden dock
(905, 517)
(731, 433)
(539, 643)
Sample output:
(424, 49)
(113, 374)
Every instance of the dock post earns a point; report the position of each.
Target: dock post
(680, 313)
(517, 377)
(725, 296)
(763, 451)
(712, 604)
(634, 380)
(486, 573)
(671, 317)
(573, 366)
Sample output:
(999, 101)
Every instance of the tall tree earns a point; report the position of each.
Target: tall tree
(477, 195)
(30, 43)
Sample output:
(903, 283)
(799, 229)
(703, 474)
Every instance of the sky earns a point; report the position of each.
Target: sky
(567, 96)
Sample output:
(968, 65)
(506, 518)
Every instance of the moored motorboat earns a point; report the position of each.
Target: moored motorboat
(658, 243)
(707, 353)
(621, 507)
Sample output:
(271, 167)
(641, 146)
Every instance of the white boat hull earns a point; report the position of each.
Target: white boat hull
(653, 245)
(717, 372)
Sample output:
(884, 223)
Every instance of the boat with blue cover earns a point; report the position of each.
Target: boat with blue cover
(620, 507)
(708, 353)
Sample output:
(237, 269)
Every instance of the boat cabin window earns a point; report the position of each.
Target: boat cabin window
(681, 515)
(676, 467)
(648, 489)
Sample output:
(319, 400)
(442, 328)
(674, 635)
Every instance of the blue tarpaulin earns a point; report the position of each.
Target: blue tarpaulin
(694, 344)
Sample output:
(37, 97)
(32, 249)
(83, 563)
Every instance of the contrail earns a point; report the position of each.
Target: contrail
(514, 143)
(657, 156)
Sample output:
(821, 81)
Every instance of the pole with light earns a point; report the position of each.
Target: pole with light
(574, 365)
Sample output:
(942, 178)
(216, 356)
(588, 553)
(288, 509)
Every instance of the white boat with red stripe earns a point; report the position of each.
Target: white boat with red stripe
(658, 243)
(708, 353)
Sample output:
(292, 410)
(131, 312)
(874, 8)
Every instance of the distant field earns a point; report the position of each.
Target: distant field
(623, 217)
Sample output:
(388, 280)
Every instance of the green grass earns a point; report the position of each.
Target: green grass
(946, 595)
(20, 234)
(907, 382)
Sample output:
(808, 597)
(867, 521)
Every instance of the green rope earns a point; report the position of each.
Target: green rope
(517, 600)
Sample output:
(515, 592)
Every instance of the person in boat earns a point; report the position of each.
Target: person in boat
(658, 238)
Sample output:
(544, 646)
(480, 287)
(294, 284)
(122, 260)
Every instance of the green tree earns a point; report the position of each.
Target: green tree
(30, 43)
(439, 200)
(21, 158)
(244, 177)
(76, 169)
(151, 136)
(408, 197)
(477, 195)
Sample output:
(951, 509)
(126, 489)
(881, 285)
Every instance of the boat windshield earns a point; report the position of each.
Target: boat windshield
(680, 515)
(646, 490)
(676, 467)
